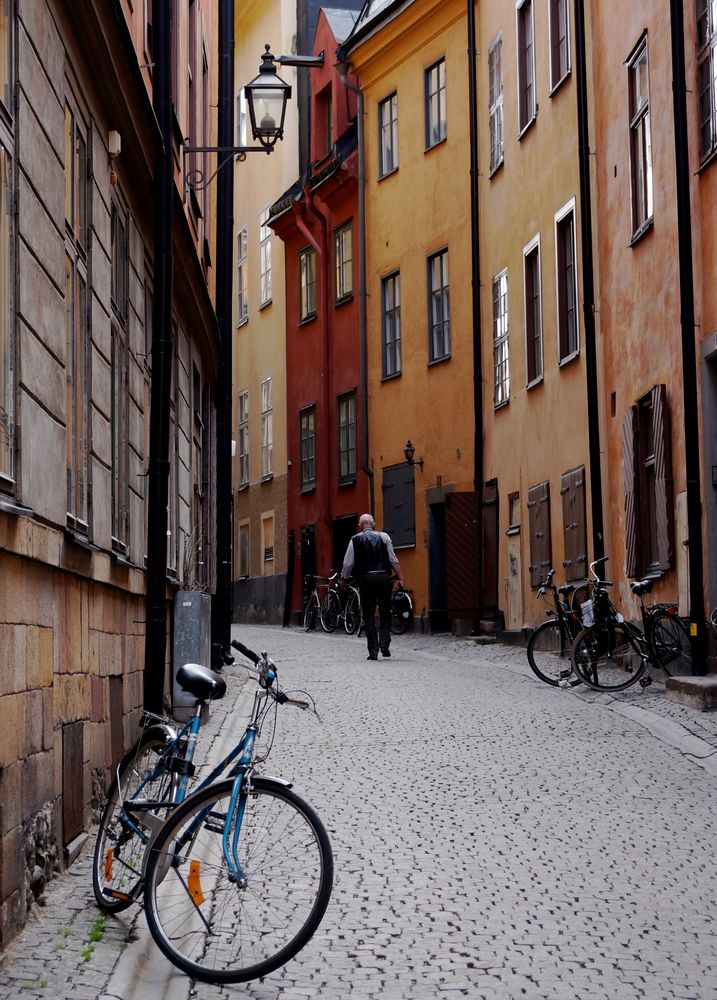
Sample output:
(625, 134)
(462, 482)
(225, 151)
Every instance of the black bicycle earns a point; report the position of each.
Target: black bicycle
(401, 610)
(611, 654)
(550, 644)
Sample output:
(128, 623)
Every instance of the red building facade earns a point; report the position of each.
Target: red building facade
(318, 221)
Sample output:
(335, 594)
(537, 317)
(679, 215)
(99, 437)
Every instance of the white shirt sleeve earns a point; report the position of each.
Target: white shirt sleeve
(348, 566)
(392, 557)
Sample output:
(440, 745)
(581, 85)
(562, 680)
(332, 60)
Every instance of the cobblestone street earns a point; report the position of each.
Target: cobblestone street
(493, 837)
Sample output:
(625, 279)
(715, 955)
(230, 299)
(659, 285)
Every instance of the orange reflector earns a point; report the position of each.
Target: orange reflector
(116, 894)
(693, 628)
(108, 865)
(195, 888)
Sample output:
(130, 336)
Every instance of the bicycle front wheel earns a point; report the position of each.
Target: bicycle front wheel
(401, 613)
(549, 655)
(329, 611)
(605, 659)
(352, 615)
(671, 644)
(311, 613)
(122, 836)
(220, 928)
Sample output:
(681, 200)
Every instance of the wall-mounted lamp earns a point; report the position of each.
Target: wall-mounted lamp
(114, 148)
(409, 451)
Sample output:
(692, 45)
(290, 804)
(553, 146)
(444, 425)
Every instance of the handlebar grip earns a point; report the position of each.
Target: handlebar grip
(245, 651)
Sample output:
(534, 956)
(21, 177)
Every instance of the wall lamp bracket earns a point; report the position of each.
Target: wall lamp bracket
(409, 451)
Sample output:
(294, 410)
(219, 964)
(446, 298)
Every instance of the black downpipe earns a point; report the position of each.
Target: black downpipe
(158, 473)
(586, 239)
(222, 604)
(698, 629)
(475, 282)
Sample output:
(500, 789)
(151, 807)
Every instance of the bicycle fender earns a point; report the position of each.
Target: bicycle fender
(277, 781)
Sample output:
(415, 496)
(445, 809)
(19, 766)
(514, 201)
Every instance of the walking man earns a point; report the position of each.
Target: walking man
(371, 559)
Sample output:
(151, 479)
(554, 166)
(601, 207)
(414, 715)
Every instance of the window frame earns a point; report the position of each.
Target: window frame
(307, 448)
(496, 120)
(567, 211)
(441, 295)
(119, 438)
(243, 438)
(501, 342)
(392, 280)
(388, 128)
(534, 373)
(242, 275)
(439, 98)
(639, 122)
(307, 282)
(347, 436)
(553, 17)
(267, 428)
(527, 113)
(343, 264)
(706, 42)
(265, 262)
(244, 532)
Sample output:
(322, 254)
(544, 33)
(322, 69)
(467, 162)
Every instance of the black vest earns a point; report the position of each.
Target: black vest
(370, 554)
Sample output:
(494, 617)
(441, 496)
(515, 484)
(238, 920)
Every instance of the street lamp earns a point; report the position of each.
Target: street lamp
(267, 95)
(408, 452)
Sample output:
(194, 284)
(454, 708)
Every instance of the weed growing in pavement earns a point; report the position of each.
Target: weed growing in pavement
(38, 984)
(97, 929)
(87, 953)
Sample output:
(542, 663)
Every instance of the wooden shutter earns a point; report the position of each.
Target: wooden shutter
(399, 504)
(572, 490)
(490, 549)
(630, 474)
(664, 510)
(463, 555)
(539, 524)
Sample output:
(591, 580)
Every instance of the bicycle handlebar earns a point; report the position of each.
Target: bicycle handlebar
(245, 651)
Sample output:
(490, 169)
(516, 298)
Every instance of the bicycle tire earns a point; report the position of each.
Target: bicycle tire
(329, 611)
(604, 657)
(670, 643)
(401, 612)
(352, 613)
(549, 655)
(311, 611)
(119, 847)
(210, 925)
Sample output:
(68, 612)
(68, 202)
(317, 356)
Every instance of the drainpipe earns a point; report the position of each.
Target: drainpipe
(343, 68)
(698, 629)
(158, 473)
(586, 238)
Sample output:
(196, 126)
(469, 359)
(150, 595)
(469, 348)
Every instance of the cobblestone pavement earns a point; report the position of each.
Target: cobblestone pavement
(493, 838)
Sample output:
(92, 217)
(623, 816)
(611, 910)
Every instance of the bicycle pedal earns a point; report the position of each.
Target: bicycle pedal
(645, 682)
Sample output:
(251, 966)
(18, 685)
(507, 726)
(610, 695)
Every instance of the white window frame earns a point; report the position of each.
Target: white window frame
(267, 429)
(640, 124)
(391, 317)
(528, 250)
(307, 284)
(267, 564)
(436, 101)
(556, 81)
(242, 275)
(570, 208)
(706, 56)
(531, 112)
(244, 567)
(388, 135)
(307, 448)
(264, 258)
(346, 421)
(243, 437)
(343, 261)
(496, 125)
(499, 341)
(439, 307)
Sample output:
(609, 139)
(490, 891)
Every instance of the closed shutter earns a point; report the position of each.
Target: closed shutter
(572, 490)
(539, 524)
(399, 504)
(463, 528)
(490, 549)
(629, 467)
(663, 478)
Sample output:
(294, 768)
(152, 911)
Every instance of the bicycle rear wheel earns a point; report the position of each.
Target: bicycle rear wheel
(311, 613)
(549, 655)
(221, 929)
(122, 836)
(352, 614)
(329, 611)
(605, 659)
(401, 612)
(670, 643)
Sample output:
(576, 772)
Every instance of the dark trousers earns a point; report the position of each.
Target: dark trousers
(375, 590)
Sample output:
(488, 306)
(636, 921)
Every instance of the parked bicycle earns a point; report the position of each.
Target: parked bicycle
(401, 610)
(611, 654)
(312, 610)
(239, 876)
(340, 606)
(550, 644)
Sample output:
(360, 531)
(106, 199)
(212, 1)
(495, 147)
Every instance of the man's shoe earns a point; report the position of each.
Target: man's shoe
(372, 656)
(386, 652)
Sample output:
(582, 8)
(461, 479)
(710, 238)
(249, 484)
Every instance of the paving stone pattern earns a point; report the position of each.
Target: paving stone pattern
(493, 838)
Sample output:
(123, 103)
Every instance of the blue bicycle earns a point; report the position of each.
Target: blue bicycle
(239, 876)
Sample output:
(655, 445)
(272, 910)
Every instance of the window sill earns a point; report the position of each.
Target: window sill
(121, 559)
(389, 173)
(348, 481)
(344, 299)
(501, 406)
(562, 362)
(10, 506)
(555, 87)
(536, 381)
(389, 378)
(707, 162)
(243, 488)
(243, 321)
(642, 231)
(515, 530)
(267, 478)
(309, 488)
(82, 541)
(438, 361)
(527, 126)
(407, 545)
(265, 305)
(435, 145)
(496, 168)
(307, 319)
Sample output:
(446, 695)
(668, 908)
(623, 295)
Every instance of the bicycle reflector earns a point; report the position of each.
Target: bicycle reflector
(194, 885)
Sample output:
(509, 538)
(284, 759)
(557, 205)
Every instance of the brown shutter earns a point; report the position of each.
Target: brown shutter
(629, 466)
(490, 548)
(663, 479)
(539, 523)
(572, 490)
(462, 555)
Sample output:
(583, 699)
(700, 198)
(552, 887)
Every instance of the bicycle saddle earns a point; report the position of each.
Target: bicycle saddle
(641, 587)
(566, 590)
(203, 683)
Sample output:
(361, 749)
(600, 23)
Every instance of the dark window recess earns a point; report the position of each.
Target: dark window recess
(399, 504)
(572, 490)
(539, 520)
(463, 527)
(647, 470)
(490, 549)
(72, 767)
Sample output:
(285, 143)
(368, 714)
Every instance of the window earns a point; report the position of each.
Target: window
(559, 42)
(148, 30)
(192, 73)
(173, 495)
(533, 317)
(435, 84)
(707, 75)
(391, 324)
(76, 322)
(267, 430)
(244, 549)
(647, 467)
(242, 276)
(541, 559)
(264, 258)
(7, 409)
(566, 282)
(347, 438)
(243, 440)
(241, 119)
(120, 438)
(307, 284)
(267, 543)
(513, 514)
(501, 367)
(6, 61)
(322, 140)
(205, 156)
(572, 490)
(439, 321)
(307, 447)
(399, 504)
(120, 264)
(640, 139)
(388, 135)
(175, 42)
(343, 261)
(495, 103)
(526, 66)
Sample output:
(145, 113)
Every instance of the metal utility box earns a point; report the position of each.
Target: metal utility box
(192, 643)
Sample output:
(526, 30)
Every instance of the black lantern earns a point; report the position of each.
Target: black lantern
(409, 451)
(267, 96)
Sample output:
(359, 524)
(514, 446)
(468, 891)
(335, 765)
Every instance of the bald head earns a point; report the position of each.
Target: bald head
(366, 522)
